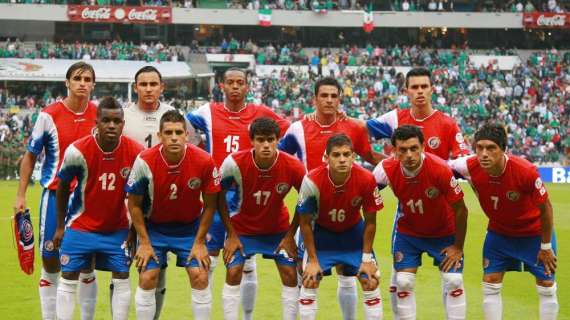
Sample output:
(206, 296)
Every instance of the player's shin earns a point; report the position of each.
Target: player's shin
(87, 294)
(492, 301)
(405, 282)
(308, 304)
(248, 288)
(230, 299)
(394, 295)
(347, 296)
(455, 301)
(48, 293)
(290, 300)
(145, 303)
(202, 303)
(548, 302)
(160, 292)
(372, 305)
(65, 305)
(121, 298)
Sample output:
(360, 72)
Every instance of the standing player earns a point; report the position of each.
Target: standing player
(226, 127)
(96, 220)
(333, 231)
(432, 219)
(515, 200)
(307, 140)
(164, 187)
(259, 222)
(57, 126)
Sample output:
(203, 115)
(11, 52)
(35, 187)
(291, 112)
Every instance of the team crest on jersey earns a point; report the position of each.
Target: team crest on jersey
(434, 142)
(64, 259)
(131, 181)
(125, 172)
(398, 256)
(48, 245)
(356, 201)
(432, 192)
(282, 188)
(453, 182)
(377, 196)
(486, 263)
(538, 183)
(194, 183)
(513, 195)
(217, 176)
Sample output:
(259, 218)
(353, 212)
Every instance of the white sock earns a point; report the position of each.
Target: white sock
(308, 304)
(160, 292)
(230, 299)
(455, 301)
(406, 298)
(202, 303)
(66, 292)
(48, 293)
(548, 302)
(145, 303)
(87, 295)
(248, 288)
(213, 264)
(290, 302)
(394, 295)
(347, 296)
(121, 298)
(372, 305)
(492, 301)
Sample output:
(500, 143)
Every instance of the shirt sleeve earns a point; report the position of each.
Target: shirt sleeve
(308, 200)
(450, 186)
(460, 168)
(372, 199)
(298, 174)
(138, 178)
(380, 176)
(458, 146)
(289, 143)
(211, 178)
(228, 172)
(361, 143)
(43, 130)
(383, 126)
(73, 164)
(536, 187)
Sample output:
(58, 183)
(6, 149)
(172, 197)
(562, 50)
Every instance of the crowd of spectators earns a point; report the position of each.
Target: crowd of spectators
(109, 50)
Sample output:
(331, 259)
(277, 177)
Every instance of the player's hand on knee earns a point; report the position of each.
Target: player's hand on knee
(312, 274)
(57, 237)
(548, 259)
(453, 258)
(288, 245)
(200, 253)
(370, 269)
(143, 256)
(231, 245)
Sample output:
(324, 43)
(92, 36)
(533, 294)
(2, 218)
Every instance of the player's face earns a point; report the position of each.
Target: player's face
(340, 159)
(110, 123)
(173, 137)
(80, 84)
(149, 88)
(327, 100)
(235, 86)
(419, 90)
(488, 153)
(409, 152)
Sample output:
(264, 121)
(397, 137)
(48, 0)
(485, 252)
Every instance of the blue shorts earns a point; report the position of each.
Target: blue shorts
(263, 244)
(176, 238)
(503, 253)
(79, 247)
(408, 250)
(48, 224)
(339, 248)
(216, 234)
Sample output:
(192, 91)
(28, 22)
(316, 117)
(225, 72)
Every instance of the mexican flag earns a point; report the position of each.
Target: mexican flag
(368, 21)
(264, 17)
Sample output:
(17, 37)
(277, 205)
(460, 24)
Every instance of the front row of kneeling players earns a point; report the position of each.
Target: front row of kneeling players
(167, 182)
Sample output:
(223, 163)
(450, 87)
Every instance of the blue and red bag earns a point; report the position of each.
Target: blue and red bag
(24, 233)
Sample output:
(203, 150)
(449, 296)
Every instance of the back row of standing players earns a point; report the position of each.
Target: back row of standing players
(431, 216)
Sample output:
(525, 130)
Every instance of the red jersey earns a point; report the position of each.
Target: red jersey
(442, 135)
(172, 192)
(257, 208)
(227, 131)
(425, 199)
(308, 140)
(337, 208)
(97, 203)
(510, 200)
(55, 129)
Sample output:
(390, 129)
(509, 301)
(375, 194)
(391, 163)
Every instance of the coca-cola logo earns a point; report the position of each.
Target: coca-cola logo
(97, 14)
(143, 15)
(558, 20)
(119, 14)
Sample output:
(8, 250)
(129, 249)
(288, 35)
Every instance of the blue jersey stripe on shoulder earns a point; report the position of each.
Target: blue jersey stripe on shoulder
(379, 130)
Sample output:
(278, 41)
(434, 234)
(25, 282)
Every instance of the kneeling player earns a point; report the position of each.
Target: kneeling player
(332, 228)
(515, 200)
(164, 189)
(96, 217)
(432, 218)
(259, 222)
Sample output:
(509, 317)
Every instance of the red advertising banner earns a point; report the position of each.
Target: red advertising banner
(109, 14)
(546, 20)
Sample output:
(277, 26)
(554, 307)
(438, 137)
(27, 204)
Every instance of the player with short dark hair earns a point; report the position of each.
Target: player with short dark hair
(258, 220)
(58, 125)
(431, 218)
(95, 223)
(520, 234)
(332, 227)
(164, 190)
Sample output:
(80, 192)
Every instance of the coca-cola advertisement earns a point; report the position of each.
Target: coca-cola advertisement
(110, 14)
(546, 20)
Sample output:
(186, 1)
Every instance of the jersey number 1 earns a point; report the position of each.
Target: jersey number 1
(419, 205)
(148, 140)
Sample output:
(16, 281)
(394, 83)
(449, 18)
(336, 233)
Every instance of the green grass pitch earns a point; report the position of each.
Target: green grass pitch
(19, 292)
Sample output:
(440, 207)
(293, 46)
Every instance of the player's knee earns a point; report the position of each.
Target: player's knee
(405, 281)
(234, 275)
(369, 284)
(490, 289)
(452, 281)
(198, 278)
(547, 291)
(70, 275)
(148, 279)
(120, 275)
(493, 278)
(51, 264)
(249, 265)
(288, 276)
